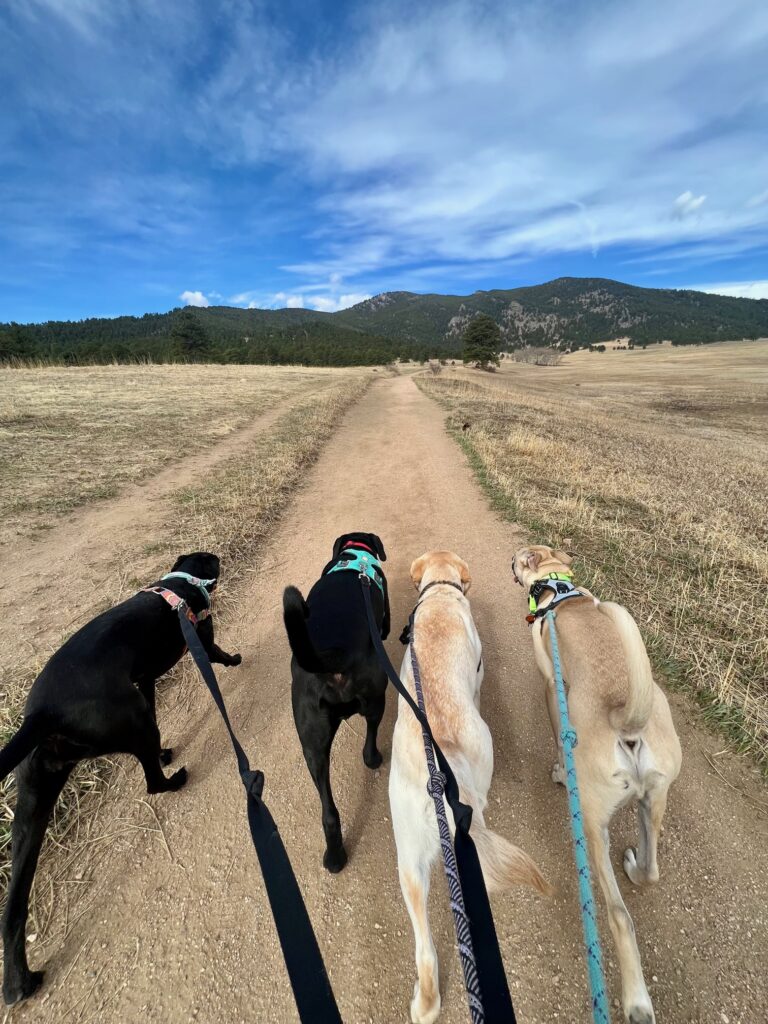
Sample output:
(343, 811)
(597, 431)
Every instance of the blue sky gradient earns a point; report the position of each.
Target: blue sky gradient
(316, 153)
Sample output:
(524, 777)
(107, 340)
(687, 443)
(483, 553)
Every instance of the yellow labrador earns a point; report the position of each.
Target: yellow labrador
(450, 661)
(627, 745)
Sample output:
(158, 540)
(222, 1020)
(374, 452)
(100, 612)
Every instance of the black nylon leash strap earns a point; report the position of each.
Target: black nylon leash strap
(497, 1001)
(311, 988)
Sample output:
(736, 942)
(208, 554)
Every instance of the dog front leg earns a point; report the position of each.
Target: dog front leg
(635, 1000)
(558, 771)
(215, 654)
(38, 791)
(147, 690)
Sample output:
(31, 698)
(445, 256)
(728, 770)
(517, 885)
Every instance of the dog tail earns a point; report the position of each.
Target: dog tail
(634, 715)
(295, 615)
(504, 864)
(23, 742)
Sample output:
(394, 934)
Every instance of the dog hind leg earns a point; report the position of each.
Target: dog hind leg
(317, 736)
(641, 866)
(634, 995)
(373, 712)
(38, 790)
(417, 847)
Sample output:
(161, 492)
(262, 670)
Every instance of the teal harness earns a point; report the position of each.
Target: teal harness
(202, 585)
(364, 564)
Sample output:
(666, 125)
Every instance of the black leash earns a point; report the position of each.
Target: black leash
(311, 988)
(497, 1001)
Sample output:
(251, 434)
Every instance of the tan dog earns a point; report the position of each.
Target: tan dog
(449, 653)
(627, 745)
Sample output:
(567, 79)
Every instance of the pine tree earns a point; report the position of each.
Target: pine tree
(482, 341)
(189, 338)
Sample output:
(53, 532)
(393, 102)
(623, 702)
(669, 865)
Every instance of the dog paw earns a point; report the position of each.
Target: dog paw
(235, 660)
(166, 755)
(631, 870)
(23, 989)
(334, 860)
(558, 774)
(641, 1014)
(178, 779)
(374, 760)
(424, 1011)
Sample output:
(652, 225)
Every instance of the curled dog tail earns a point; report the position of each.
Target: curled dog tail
(504, 864)
(295, 615)
(634, 715)
(29, 734)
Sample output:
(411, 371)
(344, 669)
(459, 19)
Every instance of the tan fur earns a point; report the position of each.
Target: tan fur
(448, 649)
(627, 745)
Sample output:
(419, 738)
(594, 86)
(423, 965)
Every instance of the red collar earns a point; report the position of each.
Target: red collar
(358, 544)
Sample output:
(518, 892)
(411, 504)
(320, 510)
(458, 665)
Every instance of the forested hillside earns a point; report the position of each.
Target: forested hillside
(566, 313)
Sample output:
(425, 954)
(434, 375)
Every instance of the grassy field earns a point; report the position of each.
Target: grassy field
(651, 466)
(229, 512)
(69, 436)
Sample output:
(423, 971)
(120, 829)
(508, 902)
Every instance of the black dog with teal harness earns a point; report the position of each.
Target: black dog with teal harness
(335, 671)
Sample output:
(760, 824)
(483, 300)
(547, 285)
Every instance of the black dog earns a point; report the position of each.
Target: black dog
(96, 696)
(335, 670)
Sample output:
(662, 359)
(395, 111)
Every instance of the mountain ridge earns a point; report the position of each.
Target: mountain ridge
(565, 313)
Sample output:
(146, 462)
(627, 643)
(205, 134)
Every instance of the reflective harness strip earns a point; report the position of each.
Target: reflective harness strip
(559, 584)
(354, 560)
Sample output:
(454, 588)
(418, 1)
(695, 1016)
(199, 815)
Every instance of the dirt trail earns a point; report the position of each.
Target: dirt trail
(182, 932)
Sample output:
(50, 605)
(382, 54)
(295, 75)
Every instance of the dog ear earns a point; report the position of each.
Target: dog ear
(563, 556)
(532, 560)
(338, 544)
(179, 561)
(377, 546)
(417, 569)
(466, 579)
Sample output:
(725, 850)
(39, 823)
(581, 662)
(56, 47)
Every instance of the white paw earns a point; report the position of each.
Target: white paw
(558, 774)
(421, 1011)
(641, 1014)
(631, 870)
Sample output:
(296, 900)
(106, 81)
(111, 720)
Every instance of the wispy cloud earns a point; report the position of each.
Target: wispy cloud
(321, 156)
(741, 289)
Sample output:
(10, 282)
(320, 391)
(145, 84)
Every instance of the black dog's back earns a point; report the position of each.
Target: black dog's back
(329, 631)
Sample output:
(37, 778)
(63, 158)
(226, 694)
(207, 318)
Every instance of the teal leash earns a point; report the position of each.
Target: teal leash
(600, 1014)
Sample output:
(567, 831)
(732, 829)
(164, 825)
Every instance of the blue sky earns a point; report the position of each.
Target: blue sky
(311, 153)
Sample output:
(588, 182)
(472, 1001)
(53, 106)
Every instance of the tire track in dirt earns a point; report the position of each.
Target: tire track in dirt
(182, 932)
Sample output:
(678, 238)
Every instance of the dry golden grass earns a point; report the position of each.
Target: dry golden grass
(652, 466)
(230, 513)
(71, 435)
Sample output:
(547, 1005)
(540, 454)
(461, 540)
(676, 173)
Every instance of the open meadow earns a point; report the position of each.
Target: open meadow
(651, 466)
(145, 906)
(107, 474)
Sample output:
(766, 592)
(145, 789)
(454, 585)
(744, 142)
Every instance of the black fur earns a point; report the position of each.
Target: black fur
(95, 696)
(335, 674)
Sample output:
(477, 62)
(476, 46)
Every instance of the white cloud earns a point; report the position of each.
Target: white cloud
(740, 289)
(194, 299)
(686, 204)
